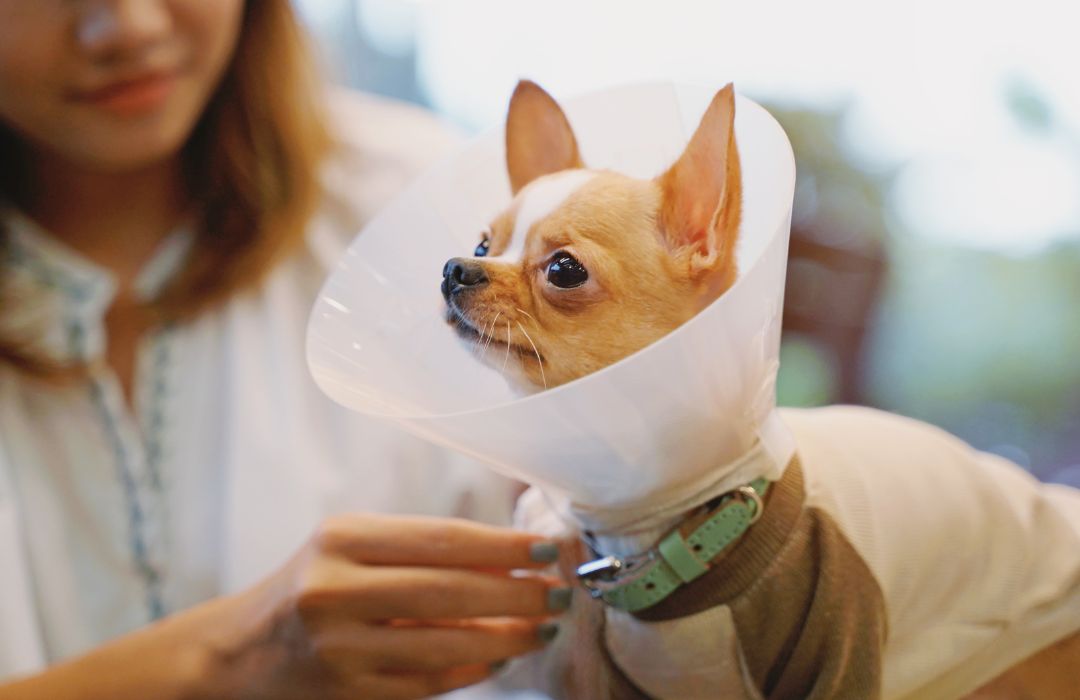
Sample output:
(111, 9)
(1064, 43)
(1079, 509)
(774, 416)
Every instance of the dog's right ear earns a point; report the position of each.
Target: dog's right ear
(702, 193)
(539, 140)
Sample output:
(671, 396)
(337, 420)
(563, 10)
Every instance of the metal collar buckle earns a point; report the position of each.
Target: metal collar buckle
(603, 575)
(592, 573)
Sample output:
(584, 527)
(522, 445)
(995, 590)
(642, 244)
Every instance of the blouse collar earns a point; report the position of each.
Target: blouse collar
(65, 295)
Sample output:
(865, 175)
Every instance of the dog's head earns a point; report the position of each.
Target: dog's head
(587, 266)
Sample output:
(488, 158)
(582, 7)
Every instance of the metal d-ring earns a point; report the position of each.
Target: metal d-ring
(750, 495)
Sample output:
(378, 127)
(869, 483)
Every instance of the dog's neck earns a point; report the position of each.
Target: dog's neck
(636, 542)
(629, 529)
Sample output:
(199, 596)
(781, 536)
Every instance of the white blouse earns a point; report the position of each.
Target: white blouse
(113, 516)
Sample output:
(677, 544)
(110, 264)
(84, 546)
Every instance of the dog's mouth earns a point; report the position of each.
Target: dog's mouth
(486, 338)
(462, 326)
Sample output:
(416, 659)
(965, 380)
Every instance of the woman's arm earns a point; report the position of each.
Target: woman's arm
(372, 606)
(167, 660)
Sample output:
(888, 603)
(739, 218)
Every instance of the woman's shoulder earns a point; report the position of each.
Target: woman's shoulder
(388, 128)
(380, 145)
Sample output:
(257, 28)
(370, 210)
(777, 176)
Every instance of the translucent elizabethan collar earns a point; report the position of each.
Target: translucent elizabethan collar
(653, 423)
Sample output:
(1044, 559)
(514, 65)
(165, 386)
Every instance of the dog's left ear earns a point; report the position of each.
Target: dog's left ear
(702, 193)
(539, 140)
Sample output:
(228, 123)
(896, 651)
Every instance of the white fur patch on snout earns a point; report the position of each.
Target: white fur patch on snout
(540, 199)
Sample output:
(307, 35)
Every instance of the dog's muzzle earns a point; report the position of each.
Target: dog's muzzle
(461, 274)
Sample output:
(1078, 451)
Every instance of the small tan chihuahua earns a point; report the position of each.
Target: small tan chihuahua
(890, 561)
(588, 266)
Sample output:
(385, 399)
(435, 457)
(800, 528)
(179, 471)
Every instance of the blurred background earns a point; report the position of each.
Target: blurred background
(935, 254)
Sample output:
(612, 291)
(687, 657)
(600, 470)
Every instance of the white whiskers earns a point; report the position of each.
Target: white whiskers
(523, 311)
(487, 333)
(539, 360)
(507, 358)
(490, 332)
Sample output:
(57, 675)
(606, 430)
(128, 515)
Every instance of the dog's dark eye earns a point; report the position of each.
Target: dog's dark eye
(565, 272)
(482, 249)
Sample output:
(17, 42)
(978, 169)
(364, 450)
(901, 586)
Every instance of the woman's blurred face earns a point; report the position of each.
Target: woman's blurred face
(112, 85)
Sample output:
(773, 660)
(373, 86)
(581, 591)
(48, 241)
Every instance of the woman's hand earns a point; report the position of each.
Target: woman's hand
(388, 607)
(371, 607)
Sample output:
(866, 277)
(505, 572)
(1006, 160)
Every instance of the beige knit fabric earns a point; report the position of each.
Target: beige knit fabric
(893, 561)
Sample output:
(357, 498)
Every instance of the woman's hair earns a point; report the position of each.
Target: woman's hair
(251, 165)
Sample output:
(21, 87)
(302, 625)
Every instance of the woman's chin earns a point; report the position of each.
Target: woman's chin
(117, 146)
(136, 154)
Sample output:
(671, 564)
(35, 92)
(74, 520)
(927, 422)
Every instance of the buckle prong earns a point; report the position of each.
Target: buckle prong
(603, 569)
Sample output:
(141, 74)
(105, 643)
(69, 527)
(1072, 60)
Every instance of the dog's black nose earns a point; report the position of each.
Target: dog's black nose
(462, 273)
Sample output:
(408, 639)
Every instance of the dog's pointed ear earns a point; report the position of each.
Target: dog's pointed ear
(702, 192)
(539, 140)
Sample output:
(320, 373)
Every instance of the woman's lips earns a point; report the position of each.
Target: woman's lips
(133, 97)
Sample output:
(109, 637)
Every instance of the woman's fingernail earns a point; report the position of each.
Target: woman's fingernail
(544, 552)
(547, 631)
(499, 665)
(558, 599)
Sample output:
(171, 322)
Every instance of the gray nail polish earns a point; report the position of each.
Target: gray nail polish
(544, 552)
(547, 631)
(558, 599)
(499, 665)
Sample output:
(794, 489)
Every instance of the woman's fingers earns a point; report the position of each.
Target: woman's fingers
(390, 607)
(415, 541)
(420, 593)
(415, 649)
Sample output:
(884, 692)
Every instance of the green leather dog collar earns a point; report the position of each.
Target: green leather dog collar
(640, 583)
